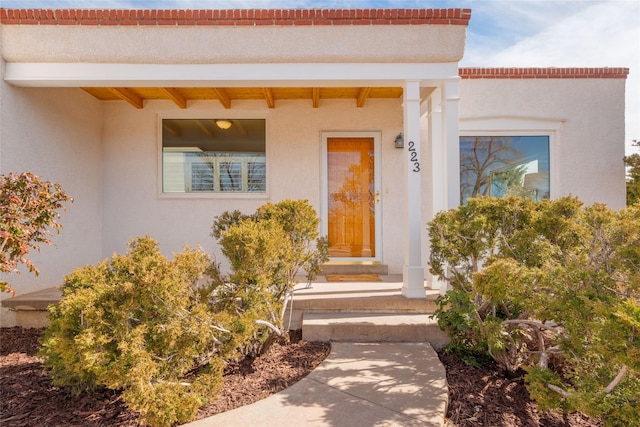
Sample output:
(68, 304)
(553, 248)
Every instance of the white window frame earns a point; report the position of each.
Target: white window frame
(521, 126)
(199, 115)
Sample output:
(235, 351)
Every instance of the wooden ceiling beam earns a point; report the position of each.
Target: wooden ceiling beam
(204, 129)
(268, 96)
(223, 97)
(362, 96)
(183, 95)
(172, 128)
(241, 129)
(175, 96)
(128, 95)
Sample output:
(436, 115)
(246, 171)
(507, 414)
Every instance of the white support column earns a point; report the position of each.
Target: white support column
(413, 277)
(438, 168)
(438, 155)
(450, 126)
(445, 154)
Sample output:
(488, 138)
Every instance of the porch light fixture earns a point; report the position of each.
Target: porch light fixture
(224, 124)
(399, 141)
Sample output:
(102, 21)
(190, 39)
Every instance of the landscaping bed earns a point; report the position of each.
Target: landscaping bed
(484, 396)
(28, 398)
(478, 396)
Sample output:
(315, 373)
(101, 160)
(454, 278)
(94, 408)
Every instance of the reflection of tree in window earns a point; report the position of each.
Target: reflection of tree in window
(504, 165)
(351, 194)
(479, 156)
(508, 181)
(257, 177)
(202, 174)
(230, 176)
(199, 156)
(351, 218)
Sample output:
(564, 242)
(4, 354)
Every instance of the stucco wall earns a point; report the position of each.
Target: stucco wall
(133, 205)
(56, 134)
(587, 150)
(234, 45)
(235, 36)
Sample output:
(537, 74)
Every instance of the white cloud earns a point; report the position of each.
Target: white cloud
(599, 35)
(594, 36)
(496, 25)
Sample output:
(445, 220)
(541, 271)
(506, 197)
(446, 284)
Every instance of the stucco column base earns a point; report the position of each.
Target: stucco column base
(413, 282)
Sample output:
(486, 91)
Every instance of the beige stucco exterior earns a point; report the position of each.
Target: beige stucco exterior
(585, 118)
(131, 162)
(250, 44)
(106, 156)
(57, 134)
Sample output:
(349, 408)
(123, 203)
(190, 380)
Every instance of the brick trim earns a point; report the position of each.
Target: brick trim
(543, 73)
(235, 17)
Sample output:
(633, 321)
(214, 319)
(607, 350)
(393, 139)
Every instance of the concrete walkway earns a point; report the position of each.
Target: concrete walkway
(358, 385)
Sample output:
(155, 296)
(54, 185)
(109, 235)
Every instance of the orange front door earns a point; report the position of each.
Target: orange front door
(351, 198)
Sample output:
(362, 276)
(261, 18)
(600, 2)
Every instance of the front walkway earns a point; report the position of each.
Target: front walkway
(358, 385)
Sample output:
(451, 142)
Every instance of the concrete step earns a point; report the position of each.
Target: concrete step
(337, 268)
(372, 327)
(365, 303)
(29, 310)
(382, 297)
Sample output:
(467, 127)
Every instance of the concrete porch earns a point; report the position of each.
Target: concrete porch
(29, 310)
(370, 311)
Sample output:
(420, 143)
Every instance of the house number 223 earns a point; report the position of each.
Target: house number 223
(413, 157)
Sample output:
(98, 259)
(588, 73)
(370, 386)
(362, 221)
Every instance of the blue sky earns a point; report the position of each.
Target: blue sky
(502, 33)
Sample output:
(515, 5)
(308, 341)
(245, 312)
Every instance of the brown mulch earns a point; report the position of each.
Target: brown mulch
(485, 396)
(27, 397)
(478, 396)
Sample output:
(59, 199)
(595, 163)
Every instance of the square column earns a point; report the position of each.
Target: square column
(438, 166)
(437, 169)
(450, 126)
(445, 154)
(413, 271)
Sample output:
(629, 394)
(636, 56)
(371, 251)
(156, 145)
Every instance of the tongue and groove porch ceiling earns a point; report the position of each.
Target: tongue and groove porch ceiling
(136, 96)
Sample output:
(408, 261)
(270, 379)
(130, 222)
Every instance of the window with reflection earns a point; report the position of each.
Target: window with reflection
(213, 156)
(504, 165)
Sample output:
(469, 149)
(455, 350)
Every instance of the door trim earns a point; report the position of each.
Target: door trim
(324, 206)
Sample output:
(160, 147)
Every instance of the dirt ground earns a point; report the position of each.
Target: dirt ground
(478, 396)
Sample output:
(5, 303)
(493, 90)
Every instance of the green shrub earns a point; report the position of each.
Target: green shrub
(141, 324)
(454, 311)
(303, 248)
(552, 287)
(267, 250)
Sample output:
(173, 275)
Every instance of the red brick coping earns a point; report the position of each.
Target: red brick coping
(235, 17)
(543, 73)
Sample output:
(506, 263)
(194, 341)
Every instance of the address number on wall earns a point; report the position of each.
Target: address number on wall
(413, 157)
